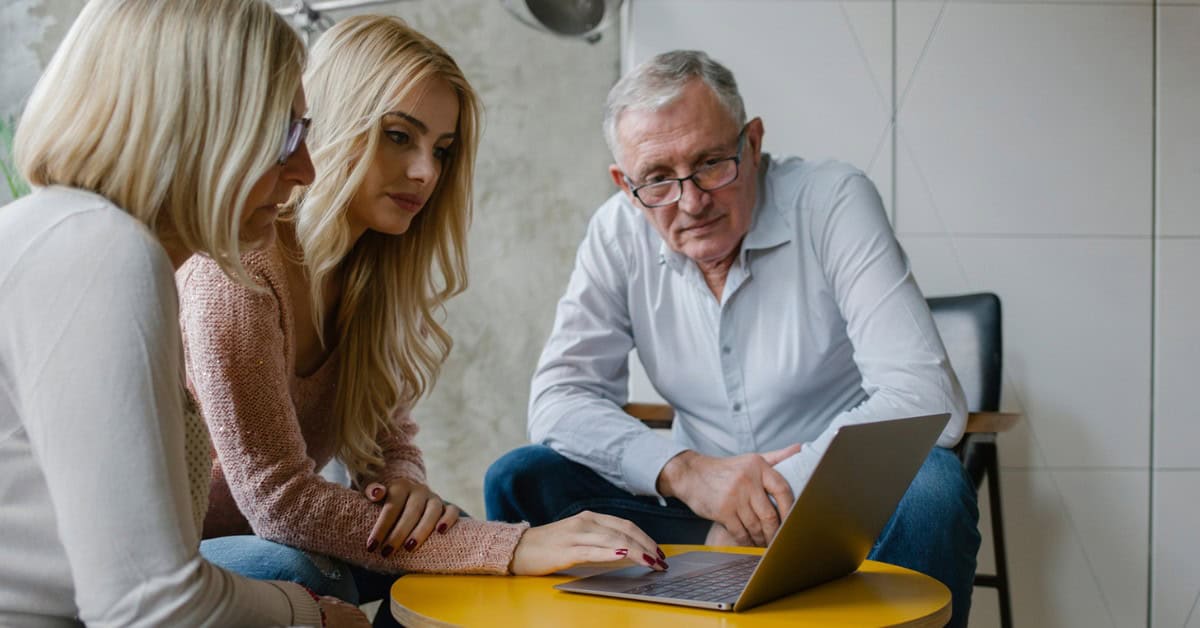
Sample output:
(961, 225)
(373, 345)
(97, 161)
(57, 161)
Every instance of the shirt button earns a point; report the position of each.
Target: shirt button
(726, 350)
(737, 407)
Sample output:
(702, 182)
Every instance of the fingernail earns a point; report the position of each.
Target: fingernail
(649, 559)
(663, 564)
(410, 544)
(386, 551)
(660, 553)
(622, 552)
(372, 545)
(442, 528)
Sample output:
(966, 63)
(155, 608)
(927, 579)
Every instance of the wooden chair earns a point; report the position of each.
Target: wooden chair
(970, 326)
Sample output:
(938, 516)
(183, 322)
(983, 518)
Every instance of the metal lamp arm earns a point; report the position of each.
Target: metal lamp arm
(329, 5)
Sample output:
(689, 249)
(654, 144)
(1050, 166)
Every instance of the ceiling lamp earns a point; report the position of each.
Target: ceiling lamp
(584, 19)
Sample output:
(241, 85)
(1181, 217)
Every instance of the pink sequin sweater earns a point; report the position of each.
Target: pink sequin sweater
(272, 432)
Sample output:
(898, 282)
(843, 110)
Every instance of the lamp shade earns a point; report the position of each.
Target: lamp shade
(567, 18)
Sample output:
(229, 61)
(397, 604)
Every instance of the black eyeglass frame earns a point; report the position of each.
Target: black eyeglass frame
(737, 163)
(297, 131)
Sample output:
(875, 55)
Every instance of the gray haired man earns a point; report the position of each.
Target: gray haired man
(769, 302)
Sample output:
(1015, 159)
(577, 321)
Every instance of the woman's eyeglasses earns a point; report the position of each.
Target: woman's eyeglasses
(297, 130)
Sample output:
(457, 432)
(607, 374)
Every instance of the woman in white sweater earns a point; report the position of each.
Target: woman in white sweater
(159, 129)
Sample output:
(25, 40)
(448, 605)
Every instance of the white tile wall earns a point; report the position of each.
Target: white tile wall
(1025, 167)
(1025, 118)
(1179, 120)
(1076, 344)
(829, 92)
(1175, 583)
(1075, 560)
(1177, 347)
(1176, 570)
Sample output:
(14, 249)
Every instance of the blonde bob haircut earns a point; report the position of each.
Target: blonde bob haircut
(391, 345)
(171, 109)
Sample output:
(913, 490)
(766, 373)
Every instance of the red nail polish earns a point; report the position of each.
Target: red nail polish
(442, 528)
(386, 551)
(649, 559)
(410, 544)
(372, 545)
(622, 552)
(663, 564)
(660, 553)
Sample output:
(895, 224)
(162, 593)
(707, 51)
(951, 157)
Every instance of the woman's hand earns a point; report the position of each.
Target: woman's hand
(587, 537)
(339, 614)
(411, 512)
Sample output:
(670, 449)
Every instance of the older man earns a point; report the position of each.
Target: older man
(769, 302)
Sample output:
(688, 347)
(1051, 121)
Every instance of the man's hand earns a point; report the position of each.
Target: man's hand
(718, 536)
(734, 492)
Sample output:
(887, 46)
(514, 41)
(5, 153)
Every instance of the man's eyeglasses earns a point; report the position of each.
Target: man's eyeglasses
(710, 178)
(296, 131)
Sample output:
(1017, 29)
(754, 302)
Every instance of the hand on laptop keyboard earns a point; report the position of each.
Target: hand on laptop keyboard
(587, 537)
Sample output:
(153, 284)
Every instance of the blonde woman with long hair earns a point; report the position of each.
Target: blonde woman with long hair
(328, 360)
(158, 130)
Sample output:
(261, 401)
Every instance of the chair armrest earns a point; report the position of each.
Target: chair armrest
(991, 422)
(660, 415)
(654, 415)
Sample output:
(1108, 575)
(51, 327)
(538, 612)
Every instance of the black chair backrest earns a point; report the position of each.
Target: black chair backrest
(970, 328)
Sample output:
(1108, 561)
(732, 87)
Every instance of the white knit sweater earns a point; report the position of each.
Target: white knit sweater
(97, 522)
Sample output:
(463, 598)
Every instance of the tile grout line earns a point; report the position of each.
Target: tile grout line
(1175, 469)
(883, 98)
(895, 118)
(1036, 236)
(1191, 611)
(1018, 468)
(1048, 3)
(1153, 307)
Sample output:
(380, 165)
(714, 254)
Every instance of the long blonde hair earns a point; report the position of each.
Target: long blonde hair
(170, 109)
(391, 343)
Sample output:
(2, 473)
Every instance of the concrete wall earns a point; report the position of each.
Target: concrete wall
(29, 32)
(541, 172)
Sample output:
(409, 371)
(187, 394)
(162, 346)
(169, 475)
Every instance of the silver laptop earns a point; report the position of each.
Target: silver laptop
(836, 518)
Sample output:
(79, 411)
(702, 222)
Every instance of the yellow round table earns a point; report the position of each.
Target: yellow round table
(877, 594)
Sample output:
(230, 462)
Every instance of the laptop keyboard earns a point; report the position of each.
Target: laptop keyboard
(722, 583)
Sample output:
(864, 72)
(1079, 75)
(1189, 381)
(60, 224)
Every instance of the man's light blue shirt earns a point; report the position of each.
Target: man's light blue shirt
(820, 324)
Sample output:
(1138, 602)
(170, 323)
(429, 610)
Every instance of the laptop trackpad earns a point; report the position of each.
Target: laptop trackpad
(683, 566)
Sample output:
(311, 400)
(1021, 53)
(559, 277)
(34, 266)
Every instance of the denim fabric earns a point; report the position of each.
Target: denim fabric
(260, 559)
(933, 531)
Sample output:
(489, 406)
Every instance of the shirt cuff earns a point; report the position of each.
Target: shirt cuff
(644, 458)
(796, 472)
(798, 469)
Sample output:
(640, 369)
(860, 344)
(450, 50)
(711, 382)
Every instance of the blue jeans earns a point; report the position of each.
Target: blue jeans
(934, 529)
(260, 559)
